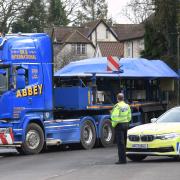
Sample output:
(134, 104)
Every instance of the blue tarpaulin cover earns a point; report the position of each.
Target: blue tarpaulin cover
(132, 68)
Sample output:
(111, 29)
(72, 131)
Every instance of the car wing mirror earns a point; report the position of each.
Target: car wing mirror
(153, 120)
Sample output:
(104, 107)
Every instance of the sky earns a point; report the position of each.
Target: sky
(114, 8)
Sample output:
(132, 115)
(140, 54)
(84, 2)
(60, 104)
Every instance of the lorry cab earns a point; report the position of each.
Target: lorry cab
(25, 84)
(24, 67)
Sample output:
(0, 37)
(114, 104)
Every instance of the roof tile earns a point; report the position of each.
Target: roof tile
(129, 31)
(76, 37)
(111, 49)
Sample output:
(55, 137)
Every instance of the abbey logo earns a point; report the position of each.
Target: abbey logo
(30, 91)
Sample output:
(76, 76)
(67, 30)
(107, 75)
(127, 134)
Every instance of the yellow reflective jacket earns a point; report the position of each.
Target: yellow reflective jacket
(121, 113)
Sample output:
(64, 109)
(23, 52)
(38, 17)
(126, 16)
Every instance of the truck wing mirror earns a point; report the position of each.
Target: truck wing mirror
(20, 79)
(153, 120)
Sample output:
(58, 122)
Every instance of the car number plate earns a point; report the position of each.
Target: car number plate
(140, 146)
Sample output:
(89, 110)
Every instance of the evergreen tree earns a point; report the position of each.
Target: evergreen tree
(161, 32)
(154, 41)
(32, 19)
(92, 10)
(57, 14)
(178, 12)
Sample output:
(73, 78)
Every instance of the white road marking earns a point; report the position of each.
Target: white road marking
(61, 174)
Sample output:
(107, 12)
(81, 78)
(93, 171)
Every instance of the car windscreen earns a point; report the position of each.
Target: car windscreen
(170, 116)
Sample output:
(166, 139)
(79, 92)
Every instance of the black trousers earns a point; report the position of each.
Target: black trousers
(121, 139)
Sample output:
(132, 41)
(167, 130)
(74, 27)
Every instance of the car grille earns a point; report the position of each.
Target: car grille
(160, 150)
(147, 138)
(133, 137)
(143, 138)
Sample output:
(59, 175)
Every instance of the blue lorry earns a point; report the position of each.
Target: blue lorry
(38, 109)
(31, 117)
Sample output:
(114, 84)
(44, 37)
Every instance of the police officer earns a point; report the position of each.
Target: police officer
(120, 118)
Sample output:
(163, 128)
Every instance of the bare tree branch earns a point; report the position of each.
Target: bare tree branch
(10, 10)
(138, 10)
(71, 8)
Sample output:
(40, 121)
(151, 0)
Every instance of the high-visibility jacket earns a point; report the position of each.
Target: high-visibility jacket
(121, 113)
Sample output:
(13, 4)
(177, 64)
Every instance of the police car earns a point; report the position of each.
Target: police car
(159, 138)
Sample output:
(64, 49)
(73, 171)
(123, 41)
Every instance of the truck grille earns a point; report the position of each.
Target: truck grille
(143, 138)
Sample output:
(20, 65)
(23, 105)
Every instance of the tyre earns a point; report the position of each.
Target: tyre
(136, 157)
(176, 158)
(88, 135)
(106, 133)
(34, 140)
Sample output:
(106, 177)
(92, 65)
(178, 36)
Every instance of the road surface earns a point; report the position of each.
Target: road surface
(95, 164)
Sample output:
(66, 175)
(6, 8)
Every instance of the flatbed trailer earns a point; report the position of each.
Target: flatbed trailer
(146, 85)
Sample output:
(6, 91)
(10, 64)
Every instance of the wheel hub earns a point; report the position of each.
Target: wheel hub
(32, 139)
(88, 134)
(107, 133)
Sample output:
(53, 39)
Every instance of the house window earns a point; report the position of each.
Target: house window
(79, 49)
(141, 44)
(83, 49)
(107, 33)
(128, 49)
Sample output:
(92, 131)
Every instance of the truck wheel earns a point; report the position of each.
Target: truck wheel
(106, 133)
(34, 140)
(136, 157)
(88, 135)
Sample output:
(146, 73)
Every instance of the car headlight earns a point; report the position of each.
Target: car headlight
(167, 136)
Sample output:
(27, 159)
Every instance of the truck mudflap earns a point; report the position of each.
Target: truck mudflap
(6, 136)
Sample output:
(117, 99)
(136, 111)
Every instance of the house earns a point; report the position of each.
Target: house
(95, 38)
(132, 36)
(74, 43)
(69, 44)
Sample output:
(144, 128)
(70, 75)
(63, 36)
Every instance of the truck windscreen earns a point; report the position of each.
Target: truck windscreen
(4, 73)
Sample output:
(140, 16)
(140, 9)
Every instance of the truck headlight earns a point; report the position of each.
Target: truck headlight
(167, 136)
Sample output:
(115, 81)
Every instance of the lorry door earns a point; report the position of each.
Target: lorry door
(30, 97)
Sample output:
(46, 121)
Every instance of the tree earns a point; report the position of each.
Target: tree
(32, 19)
(92, 10)
(137, 11)
(62, 12)
(161, 33)
(165, 21)
(178, 13)
(57, 13)
(155, 42)
(10, 10)
(63, 59)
